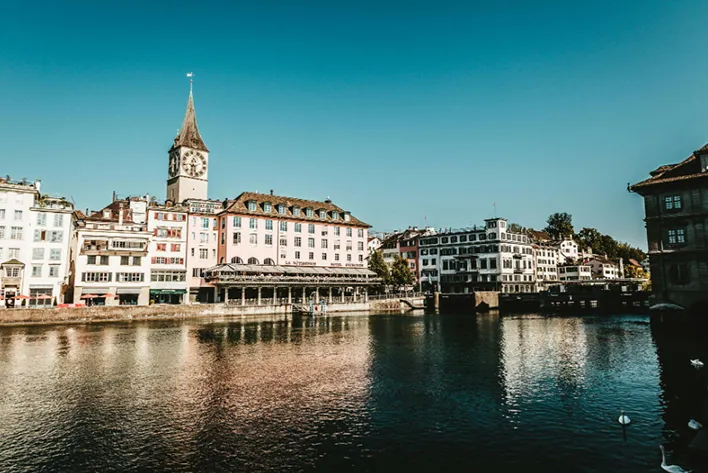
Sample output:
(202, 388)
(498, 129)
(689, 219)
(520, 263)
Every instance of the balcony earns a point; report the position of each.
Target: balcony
(518, 271)
(517, 255)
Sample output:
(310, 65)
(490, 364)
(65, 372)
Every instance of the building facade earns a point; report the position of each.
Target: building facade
(602, 268)
(35, 229)
(110, 249)
(488, 258)
(574, 272)
(167, 253)
(676, 216)
(545, 260)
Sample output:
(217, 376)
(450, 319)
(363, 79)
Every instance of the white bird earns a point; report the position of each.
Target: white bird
(697, 363)
(694, 424)
(670, 468)
(623, 419)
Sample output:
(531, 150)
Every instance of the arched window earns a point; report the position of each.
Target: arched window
(252, 261)
(269, 261)
(236, 260)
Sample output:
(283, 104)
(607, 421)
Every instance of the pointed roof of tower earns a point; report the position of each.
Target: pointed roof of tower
(189, 135)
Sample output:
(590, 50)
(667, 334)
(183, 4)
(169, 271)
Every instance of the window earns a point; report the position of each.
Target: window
(679, 273)
(324, 244)
(58, 220)
(36, 270)
(104, 260)
(252, 205)
(361, 258)
(281, 209)
(311, 228)
(203, 253)
(312, 255)
(283, 241)
(2, 233)
(310, 242)
(672, 202)
(55, 236)
(677, 236)
(253, 238)
(252, 223)
(323, 214)
(336, 231)
(96, 277)
(349, 232)
(360, 233)
(15, 233)
(223, 238)
(267, 207)
(124, 260)
(175, 247)
(298, 242)
(269, 240)
(130, 277)
(167, 276)
(223, 223)
(53, 271)
(335, 215)
(360, 246)
(41, 218)
(349, 258)
(296, 211)
(197, 272)
(237, 222)
(308, 212)
(336, 257)
(297, 255)
(236, 238)
(203, 237)
(298, 228)
(269, 224)
(18, 215)
(55, 254)
(205, 222)
(12, 272)
(136, 260)
(91, 259)
(38, 253)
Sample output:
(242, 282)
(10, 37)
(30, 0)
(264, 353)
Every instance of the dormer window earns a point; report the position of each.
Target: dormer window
(281, 209)
(252, 205)
(335, 215)
(308, 211)
(323, 214)
(267, 207)
(347, 216)
(296, 211)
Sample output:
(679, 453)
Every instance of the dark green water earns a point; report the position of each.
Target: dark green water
(387, 393)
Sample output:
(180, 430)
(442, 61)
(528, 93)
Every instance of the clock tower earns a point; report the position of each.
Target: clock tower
(188, 160)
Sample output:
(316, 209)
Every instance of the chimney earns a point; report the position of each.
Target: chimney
(328, 200)
(271, 192)
(38, 184)
(120, 214)
(114, 196)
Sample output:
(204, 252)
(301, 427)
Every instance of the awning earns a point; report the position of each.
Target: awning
(168, 291)
(253, 269)
(128, 290)
(96, 290)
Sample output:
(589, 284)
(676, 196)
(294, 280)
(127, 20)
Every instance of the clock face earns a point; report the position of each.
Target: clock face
(174, 164)
(194, 163)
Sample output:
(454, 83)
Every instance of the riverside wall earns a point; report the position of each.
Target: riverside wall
(24, 316)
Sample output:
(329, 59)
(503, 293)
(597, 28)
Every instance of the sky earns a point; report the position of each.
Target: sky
(405, 113)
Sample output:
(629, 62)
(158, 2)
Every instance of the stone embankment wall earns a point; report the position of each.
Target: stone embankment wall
(117, 313)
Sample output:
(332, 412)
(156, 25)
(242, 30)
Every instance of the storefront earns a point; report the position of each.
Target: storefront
(167, 296)
(128, 295)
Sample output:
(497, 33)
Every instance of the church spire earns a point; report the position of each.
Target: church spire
(189, 133)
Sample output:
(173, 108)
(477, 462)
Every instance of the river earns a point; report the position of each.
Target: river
(411, 393)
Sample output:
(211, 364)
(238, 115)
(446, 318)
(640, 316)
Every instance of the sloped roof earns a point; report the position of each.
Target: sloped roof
(12, 262)
(189, 133)
(689, 168)
(239, 205)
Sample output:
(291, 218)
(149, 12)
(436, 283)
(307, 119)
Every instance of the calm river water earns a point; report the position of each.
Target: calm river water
(349, 393)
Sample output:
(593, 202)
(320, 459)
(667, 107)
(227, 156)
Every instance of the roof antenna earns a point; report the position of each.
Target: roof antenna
(190, 75)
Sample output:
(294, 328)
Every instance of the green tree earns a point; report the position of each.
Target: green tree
(589, 237)
(379, 266)
(516, 228)
(627, 251)
(400, 273)
(560, 225)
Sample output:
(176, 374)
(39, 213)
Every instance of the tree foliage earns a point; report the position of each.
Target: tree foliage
(379, 266)
(400, 273)
(516, 228)
(559, 226)
(606, 245)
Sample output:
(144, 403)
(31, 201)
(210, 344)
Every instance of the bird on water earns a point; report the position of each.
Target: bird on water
(670, 468)
(694, 424)
(697, 363)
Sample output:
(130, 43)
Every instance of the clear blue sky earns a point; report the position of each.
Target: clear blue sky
(397, 110)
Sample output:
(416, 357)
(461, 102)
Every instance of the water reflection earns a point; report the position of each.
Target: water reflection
(344, 393)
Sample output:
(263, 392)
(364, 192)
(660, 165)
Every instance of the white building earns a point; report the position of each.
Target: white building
(486, 258)
(167, 253)
(603, 268)
(202, 246)
(34, 238)
(374, 244)
(546, 265)
(110, 249)
(568, 250)
(575, 272)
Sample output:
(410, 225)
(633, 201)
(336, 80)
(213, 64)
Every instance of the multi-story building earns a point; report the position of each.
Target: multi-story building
(110, 249)
(676, 208)
(567, 250)
(574, 272)
(405, 245)
(265, 229)
(545, 257)
(34, 238)
(202, 246)
(167, 253)
(374, 243)
(602, 267)
(487, 258)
